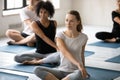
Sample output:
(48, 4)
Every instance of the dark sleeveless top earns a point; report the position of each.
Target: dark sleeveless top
(50, 31)
(116, 26)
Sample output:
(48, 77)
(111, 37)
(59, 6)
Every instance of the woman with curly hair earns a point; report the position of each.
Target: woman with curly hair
(45, 30)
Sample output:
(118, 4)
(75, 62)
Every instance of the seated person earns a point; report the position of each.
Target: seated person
(113, 36)
(45, 30)
(27, 15)
(71, 43)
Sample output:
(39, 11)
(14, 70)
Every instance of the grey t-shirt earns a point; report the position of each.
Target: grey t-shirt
(74, 45)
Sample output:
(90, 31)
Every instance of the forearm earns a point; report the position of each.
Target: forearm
(28, 39)
(117, 20)
(82, 55)
(50, 42)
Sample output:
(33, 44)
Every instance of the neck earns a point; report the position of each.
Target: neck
(72, 34)
(31, 7)
(44, 20)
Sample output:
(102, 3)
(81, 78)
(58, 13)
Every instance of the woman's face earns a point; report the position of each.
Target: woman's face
(71, 22)
(118, 3)
(44, 14)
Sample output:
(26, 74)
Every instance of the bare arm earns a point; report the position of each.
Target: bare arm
(82, 55)
(62, 47)
(28, 39)
(40, 33)
(117, 20)
(28, 22)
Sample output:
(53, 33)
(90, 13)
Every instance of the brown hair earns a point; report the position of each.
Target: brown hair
(118, 0)
(77, 15)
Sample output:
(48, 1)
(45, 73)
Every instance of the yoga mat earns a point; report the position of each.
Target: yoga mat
(95, 73)
(102, 74)
(26, 68)
(105, 44)
(114, 59)
(8, 76)
(15, 48)
(88, 53)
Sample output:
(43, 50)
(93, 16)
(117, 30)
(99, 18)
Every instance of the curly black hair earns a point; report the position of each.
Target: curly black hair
(45, 5)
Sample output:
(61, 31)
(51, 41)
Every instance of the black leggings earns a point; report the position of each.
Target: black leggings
(105, 35)
(24, 35)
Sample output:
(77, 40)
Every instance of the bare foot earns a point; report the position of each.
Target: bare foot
(111, 40)
(33, 62)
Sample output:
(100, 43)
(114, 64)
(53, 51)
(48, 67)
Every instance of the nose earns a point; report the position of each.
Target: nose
(68, 22)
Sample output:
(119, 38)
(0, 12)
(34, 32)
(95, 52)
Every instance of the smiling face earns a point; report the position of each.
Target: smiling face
(71, 22)
(43, 14)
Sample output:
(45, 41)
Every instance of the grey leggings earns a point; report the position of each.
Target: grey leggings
(42, 72)
(47, 58)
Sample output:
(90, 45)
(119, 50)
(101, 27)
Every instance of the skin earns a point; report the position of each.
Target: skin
(45, 22)
(117, 20)
(16, 35)
(71, 24)
(44, 14)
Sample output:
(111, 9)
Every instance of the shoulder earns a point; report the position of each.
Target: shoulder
(25, 9)
(84, 36)
(34, 23)
(54, 22)
(60, 34)
(115, 13)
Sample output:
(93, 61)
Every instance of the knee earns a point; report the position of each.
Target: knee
(18, 59)
(40, 72)
(37, 70)
(98, 35)
(8, 33)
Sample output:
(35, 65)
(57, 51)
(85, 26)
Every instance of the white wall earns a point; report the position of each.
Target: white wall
(95, 12)
(65, 6)
(6, 21)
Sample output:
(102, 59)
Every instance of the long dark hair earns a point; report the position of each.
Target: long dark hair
(77, 15)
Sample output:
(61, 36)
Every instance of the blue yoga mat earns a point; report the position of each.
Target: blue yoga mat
(88, 53)
(105, 44)
(15, 48)
(26, 68)
(114, 59)
(95, 73)
(102, 74)
(8, 76)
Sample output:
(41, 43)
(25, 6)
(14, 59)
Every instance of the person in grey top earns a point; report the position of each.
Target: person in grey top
(71, 43)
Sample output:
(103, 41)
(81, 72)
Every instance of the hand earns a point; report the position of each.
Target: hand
(83, 71)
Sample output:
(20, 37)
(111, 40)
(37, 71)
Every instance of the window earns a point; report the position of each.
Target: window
(14, 4)
(13, 7)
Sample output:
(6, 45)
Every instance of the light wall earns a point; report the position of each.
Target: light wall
(93, 12)
(6, 21)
